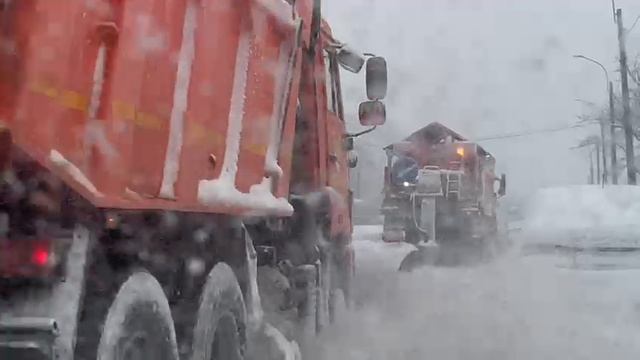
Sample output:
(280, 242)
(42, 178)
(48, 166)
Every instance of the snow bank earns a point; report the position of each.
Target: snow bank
(583, 207)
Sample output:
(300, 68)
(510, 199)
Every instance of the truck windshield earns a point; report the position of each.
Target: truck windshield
(404, 169)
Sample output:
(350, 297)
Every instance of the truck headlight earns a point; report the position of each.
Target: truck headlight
(406, 184)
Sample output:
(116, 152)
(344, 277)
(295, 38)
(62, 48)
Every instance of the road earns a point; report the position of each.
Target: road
(510, 308)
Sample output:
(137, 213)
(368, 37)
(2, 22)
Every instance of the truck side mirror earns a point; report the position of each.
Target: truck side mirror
(376, 78)
(372, 113)
(502, 191)
(350, 60)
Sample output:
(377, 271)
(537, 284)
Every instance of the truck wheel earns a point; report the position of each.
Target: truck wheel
(220, 330)
(139, 325)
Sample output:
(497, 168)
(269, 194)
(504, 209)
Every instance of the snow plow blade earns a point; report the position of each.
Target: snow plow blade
(420, 257)
(28, 338)
(391, 236)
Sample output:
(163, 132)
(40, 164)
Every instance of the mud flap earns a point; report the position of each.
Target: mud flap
(265, 341)
(253, 303)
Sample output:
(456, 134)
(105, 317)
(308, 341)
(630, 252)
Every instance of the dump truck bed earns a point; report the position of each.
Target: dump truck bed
(140, 105)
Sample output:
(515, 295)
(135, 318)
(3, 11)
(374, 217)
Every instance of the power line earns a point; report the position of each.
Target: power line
(634, 24)
(530, 132)
(508, 135)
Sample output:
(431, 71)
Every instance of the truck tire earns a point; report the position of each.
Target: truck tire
(220, 330)
(139, 325)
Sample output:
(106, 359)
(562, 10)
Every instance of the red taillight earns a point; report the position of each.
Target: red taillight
(28, 259)
(40, 257)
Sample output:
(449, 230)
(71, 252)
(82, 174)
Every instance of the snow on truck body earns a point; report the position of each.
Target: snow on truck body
(177, 146)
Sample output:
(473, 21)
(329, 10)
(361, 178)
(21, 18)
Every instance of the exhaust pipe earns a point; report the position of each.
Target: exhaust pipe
(28, 338)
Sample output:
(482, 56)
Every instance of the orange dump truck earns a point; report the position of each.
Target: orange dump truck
(162, 161)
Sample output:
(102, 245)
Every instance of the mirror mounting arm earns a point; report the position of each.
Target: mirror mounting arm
(355, 135)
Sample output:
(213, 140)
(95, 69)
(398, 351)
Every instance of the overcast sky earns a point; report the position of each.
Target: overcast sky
(486, 67)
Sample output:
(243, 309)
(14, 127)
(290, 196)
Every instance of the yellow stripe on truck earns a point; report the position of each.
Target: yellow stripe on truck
(73, 100)
(197, 133)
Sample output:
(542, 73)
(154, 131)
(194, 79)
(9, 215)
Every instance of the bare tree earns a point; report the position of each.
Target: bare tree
(634, 91)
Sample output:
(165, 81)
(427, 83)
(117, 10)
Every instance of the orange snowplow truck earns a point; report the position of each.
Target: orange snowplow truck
(440, 187)
(174, 177)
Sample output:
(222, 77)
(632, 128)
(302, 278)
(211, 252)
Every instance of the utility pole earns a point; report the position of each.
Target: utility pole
(591, 168)
(604, 154)
(612, 119)
(358, 191)
(598, 163)
(626, 113)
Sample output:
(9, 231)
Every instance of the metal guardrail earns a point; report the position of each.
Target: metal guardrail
(571, 249)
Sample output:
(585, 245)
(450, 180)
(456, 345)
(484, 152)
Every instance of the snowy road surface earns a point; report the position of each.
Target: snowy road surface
(512, 308)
